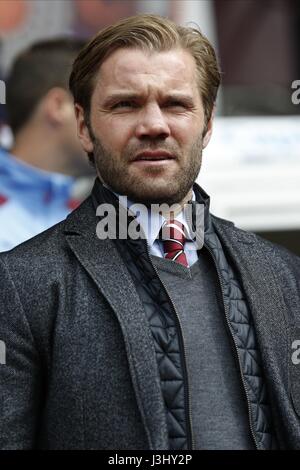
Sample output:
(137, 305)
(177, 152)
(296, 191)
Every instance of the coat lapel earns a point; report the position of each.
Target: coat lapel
(263, 295)
(102, 261)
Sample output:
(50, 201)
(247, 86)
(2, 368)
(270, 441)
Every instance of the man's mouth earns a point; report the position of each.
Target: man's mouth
(155, 156)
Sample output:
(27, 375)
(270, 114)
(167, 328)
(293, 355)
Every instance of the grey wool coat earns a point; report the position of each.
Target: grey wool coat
(79, 369)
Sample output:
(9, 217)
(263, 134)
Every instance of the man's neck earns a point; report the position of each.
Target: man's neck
(176, 208)
(39, 149)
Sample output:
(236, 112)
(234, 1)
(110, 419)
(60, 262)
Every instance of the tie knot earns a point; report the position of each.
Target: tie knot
(173, 231)
(173, 236)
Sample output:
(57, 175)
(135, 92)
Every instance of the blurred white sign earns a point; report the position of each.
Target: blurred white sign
(251, 170)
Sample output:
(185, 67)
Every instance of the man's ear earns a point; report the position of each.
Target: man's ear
(209, 129)
(82, 130)
(55, 106)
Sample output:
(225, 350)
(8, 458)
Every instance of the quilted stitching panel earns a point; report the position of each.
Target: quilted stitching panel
(161, 318)
(242, 327)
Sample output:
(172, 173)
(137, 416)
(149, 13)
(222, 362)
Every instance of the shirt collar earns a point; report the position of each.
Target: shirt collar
(149, 220)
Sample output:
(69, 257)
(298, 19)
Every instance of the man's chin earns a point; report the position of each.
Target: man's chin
(154, 196)
(153, 191)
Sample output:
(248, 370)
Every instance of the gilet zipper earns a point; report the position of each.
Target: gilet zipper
(190, 437)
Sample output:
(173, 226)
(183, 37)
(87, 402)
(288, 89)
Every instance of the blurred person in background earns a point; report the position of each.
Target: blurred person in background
(2, 102)
(46, 174)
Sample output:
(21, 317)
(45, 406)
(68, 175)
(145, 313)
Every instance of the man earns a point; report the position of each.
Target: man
(117, 342)
(44, 176)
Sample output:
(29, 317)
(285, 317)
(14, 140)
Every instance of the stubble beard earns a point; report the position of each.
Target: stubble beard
(118, 177)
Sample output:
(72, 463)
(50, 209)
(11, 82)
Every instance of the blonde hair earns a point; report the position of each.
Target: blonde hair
(151, 33)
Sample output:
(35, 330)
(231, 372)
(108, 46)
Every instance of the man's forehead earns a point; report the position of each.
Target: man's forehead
(125, 66)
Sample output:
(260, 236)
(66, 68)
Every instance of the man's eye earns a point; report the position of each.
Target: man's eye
(123, 104)
(175, 104)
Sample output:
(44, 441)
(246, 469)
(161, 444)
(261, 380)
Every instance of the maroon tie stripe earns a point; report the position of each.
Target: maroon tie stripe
(172, 234)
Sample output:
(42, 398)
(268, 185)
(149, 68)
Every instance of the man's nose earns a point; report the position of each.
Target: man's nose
(152, 123)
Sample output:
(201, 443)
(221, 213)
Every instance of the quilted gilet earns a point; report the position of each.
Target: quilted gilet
(167, 335)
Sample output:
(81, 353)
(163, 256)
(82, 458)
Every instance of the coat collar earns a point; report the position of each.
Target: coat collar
(254, 262)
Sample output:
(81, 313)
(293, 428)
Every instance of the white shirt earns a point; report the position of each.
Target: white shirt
(151, 223)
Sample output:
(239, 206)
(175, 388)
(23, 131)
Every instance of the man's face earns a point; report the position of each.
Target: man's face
(147, 124)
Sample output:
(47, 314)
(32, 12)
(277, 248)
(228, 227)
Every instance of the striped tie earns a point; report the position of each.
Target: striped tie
(173, 236)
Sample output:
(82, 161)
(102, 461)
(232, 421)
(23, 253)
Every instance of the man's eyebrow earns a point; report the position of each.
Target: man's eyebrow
(187, 99)
(120, 96)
